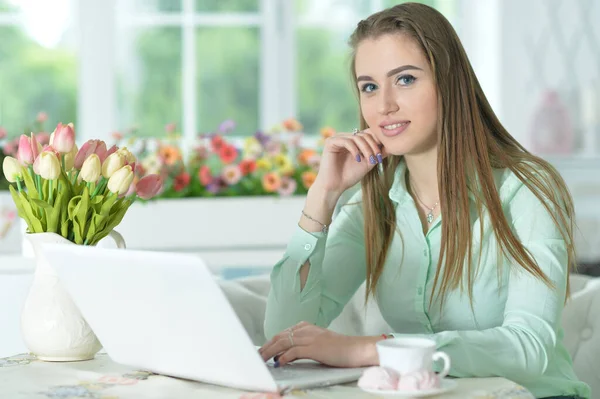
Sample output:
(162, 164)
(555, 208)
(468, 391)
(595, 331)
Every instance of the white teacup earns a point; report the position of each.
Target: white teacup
(408, 355)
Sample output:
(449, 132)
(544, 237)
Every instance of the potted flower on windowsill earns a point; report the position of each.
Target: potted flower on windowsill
(68, 196)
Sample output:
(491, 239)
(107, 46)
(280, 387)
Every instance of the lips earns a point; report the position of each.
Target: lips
(393, 128)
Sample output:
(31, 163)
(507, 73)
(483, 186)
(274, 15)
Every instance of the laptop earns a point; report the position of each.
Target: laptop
(165, 313)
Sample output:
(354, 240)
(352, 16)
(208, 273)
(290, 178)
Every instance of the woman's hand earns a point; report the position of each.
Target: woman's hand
(347, 158)
(307, 341)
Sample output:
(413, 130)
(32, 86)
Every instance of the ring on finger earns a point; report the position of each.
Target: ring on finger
(354, 131)
(291, 337)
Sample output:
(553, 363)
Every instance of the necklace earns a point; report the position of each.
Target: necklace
(429, 215)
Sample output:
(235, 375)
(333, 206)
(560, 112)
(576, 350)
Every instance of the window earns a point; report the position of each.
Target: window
(38, 65)
(146, 64)
(198, 63)
(325, 95)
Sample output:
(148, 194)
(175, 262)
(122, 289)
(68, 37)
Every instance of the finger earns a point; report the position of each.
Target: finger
(375, 144)
(267, 347)
(348, 145)
(365, 148)
(279, 346)
(283, 335)
(295, 353)
(301, 324)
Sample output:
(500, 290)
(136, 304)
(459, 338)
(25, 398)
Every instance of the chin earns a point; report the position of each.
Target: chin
(405, 146)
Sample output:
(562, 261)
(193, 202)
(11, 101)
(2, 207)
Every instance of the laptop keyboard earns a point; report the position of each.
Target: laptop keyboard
(303, 370)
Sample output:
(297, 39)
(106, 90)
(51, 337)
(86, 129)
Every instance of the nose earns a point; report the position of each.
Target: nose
(388, 103)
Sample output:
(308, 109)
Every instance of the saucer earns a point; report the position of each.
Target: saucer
(446, 386)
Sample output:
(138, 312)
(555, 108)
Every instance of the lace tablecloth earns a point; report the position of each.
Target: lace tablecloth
(23, 376)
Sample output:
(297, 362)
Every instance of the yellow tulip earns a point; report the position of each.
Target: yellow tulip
(129, 157)
(12, 169)
(70, 158)
(91, 169)
(114, 162)
(121, 180)
(47, 165)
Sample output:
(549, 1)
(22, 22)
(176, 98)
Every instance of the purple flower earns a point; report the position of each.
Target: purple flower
(215, 186)
(227, 126)
(262, 138)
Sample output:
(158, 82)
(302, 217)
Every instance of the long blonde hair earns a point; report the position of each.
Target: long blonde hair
(471, 142)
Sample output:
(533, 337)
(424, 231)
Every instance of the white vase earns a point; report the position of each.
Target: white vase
(52, 326)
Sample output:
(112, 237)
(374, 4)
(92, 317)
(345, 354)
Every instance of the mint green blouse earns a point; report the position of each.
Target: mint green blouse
(513, 329)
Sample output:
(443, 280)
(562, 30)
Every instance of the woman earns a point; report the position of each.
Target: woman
(461, 235)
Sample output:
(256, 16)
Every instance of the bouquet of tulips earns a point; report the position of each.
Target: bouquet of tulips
(81, 194)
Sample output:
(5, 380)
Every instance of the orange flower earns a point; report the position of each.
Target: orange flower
(305, 155)
(247, 166)
(204, 175)
(271, 182)
(228, 153)
(327, 132)
(308, 178)
(292, 125)
(169, 154)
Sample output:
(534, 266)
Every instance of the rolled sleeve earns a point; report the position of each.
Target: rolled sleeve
(337, 268)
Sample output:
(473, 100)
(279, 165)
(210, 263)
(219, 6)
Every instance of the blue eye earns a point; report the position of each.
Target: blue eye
(406, 80)
(368, 88)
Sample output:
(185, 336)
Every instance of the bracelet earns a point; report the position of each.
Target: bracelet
(325, 228)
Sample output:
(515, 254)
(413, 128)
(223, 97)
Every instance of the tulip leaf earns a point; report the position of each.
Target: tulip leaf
(77, 233)
(73, 207)
(95, 221)
(28, 210)
(40, 203)
(53, 215)
(64, 217)
(30, 184)
(20, 208)
(113, 221)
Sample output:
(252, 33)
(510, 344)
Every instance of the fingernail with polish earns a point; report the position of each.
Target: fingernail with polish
(358, 158)
(379, 158)
(372, 159)
(276, 365)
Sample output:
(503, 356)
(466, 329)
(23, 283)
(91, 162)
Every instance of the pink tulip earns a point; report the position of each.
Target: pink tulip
(43, 138)
(131, 190)
(90, 147)
(42, 117)
(10, 148)
(36, 147)
(148, 186)
(24, 153)
(64, 138)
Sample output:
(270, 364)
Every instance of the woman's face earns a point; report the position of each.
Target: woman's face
(398, 96)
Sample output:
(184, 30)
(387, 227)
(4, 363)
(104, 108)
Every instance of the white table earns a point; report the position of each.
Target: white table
(24, 377)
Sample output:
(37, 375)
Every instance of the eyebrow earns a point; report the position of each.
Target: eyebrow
(390, 73)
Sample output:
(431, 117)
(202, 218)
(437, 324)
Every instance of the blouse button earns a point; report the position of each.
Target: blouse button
(308, 247)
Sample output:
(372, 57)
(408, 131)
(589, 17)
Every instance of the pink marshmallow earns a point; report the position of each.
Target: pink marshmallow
(378, 378)
(418, 381)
